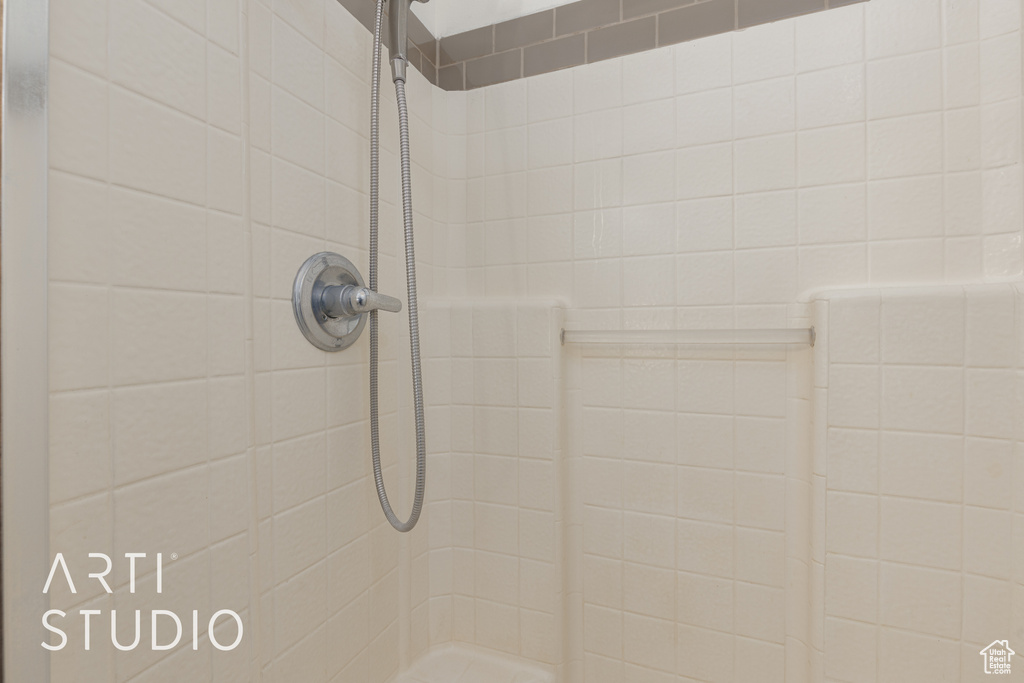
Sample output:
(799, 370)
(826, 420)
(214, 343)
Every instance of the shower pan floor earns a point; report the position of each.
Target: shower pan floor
(455, 664)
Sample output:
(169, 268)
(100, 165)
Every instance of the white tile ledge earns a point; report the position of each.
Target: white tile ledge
(896, 291)
(494, 302)
(463, 664)
(691, 336)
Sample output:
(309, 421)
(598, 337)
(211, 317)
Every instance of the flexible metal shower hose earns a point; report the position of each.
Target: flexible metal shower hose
(410, 270)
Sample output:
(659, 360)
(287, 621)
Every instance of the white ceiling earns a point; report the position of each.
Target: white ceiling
(448, 17)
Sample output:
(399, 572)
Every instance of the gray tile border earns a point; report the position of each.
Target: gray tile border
(452, 77)
(428, 70)
(642, 8)
(533, 28)
(492, 69)
(577, 33)
(553, 55)
(586, 14)
(622, 39)
(696, 21)
(754, 12)
(415, 58)
(465, 46)
(361, 10)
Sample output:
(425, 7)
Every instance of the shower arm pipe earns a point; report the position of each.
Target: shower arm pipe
(776, 336)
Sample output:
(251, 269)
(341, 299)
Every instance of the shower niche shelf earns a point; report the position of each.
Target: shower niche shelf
(761, 337)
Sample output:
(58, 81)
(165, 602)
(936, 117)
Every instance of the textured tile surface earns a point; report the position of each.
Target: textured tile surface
(711, 183)
(906, 547)
(463, 665)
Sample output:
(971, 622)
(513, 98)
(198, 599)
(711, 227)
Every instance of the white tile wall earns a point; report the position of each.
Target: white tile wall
(149, 420)
(200, 151)
(501, 549)
(681, 524)
(188, 414)
(914, 555)
(894, 134)
(846, 148)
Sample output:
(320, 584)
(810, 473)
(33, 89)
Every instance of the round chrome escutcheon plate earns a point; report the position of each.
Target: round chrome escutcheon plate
(324, 332)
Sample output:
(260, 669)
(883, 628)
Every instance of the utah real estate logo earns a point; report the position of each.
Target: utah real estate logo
(997, 657)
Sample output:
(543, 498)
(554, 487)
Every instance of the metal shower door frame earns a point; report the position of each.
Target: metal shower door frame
(24, 377)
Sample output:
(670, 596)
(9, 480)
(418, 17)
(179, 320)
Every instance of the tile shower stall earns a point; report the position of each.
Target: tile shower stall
(851, 512)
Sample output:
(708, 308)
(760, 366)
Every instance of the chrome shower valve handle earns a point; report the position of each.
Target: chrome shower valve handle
(330, 300)
(348, 300)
